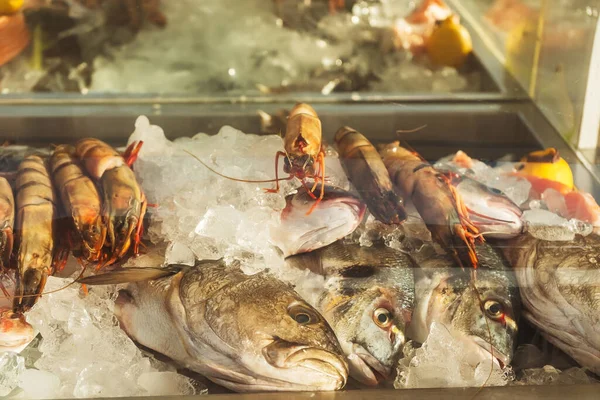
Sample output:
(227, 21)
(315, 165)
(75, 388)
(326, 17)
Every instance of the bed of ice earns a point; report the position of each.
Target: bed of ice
(83, 353)
(442, 362)
(221, 46)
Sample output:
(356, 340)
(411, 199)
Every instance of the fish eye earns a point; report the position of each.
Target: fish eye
(302, 315)
(495, 191)
(382, 317)
(493, 309)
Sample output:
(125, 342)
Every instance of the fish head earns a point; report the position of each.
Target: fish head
(492, 212)
(295, 343)
(274, 340)
(370, 327)
(480, 313)
(338, 214)
(15, 332)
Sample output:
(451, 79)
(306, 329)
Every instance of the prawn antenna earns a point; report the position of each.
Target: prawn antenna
(399, 131)
(237, 179)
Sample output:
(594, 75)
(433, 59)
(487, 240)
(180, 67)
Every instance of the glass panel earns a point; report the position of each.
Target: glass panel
(254, 48)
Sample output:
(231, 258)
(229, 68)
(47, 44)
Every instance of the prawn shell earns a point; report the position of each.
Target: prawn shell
(80, 199)
(303, 126)
(97, 157)
(7, 220)
(368, 174)
(34, 230)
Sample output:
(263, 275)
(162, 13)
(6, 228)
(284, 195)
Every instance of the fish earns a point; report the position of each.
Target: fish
(560, 287)
(368, 300)
(445, 294)
(492, 212)
(15, 332)
(337, 215)
(248, 333)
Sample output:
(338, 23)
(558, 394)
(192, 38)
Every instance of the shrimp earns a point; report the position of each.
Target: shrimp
(124, 202)
(35, 224)
(435, 199)
(369, 175)
(81, 201)
(303, 150)
(7, 219)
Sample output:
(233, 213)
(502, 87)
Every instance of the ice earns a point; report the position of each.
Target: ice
(243, 42)
(12, 367)
(179, 253)
(548, 375)
(39, 384)
(442, 361)
(515, 188)
(83, 352)
(211, 216)
(546, 225)
(166, 384)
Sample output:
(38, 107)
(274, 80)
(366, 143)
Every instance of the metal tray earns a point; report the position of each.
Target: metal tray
(486, 130)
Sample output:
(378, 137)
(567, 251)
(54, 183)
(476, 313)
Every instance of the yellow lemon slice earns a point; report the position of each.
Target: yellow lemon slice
(450, 43)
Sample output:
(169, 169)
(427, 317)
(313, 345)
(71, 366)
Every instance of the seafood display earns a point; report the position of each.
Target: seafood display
(381, 269)
(318, 46)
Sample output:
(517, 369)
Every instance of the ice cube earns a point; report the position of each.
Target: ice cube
(179, 253)
(12, 367)
(166, 384)
(84, 349)
(444, 361)
(555, 202)
(39, 384)
(546, 225)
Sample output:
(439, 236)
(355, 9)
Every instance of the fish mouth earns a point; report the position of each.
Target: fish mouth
(485, 350)
(326, 369)
(366, 368)
(322, 361)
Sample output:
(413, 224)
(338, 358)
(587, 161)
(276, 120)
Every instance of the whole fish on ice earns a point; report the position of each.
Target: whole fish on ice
(482, 313)
(560, 288)
(247, 333)
(368, 300)
(338, 214)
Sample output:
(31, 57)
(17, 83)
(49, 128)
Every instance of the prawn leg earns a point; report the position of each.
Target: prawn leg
(276, 190)
(322, 194)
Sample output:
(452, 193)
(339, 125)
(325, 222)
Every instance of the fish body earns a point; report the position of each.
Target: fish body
(246, 333)
(494, 214)
(560, 287)
(368, 300)
(338, 214)
(447, 295)
(15, 332)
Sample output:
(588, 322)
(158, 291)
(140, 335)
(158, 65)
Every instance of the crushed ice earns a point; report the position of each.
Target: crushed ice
(83, 353)
(442, 361)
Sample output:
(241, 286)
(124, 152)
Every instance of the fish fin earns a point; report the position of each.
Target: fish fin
(127, 275)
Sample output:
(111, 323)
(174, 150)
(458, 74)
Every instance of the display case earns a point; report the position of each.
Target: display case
(524, 81)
